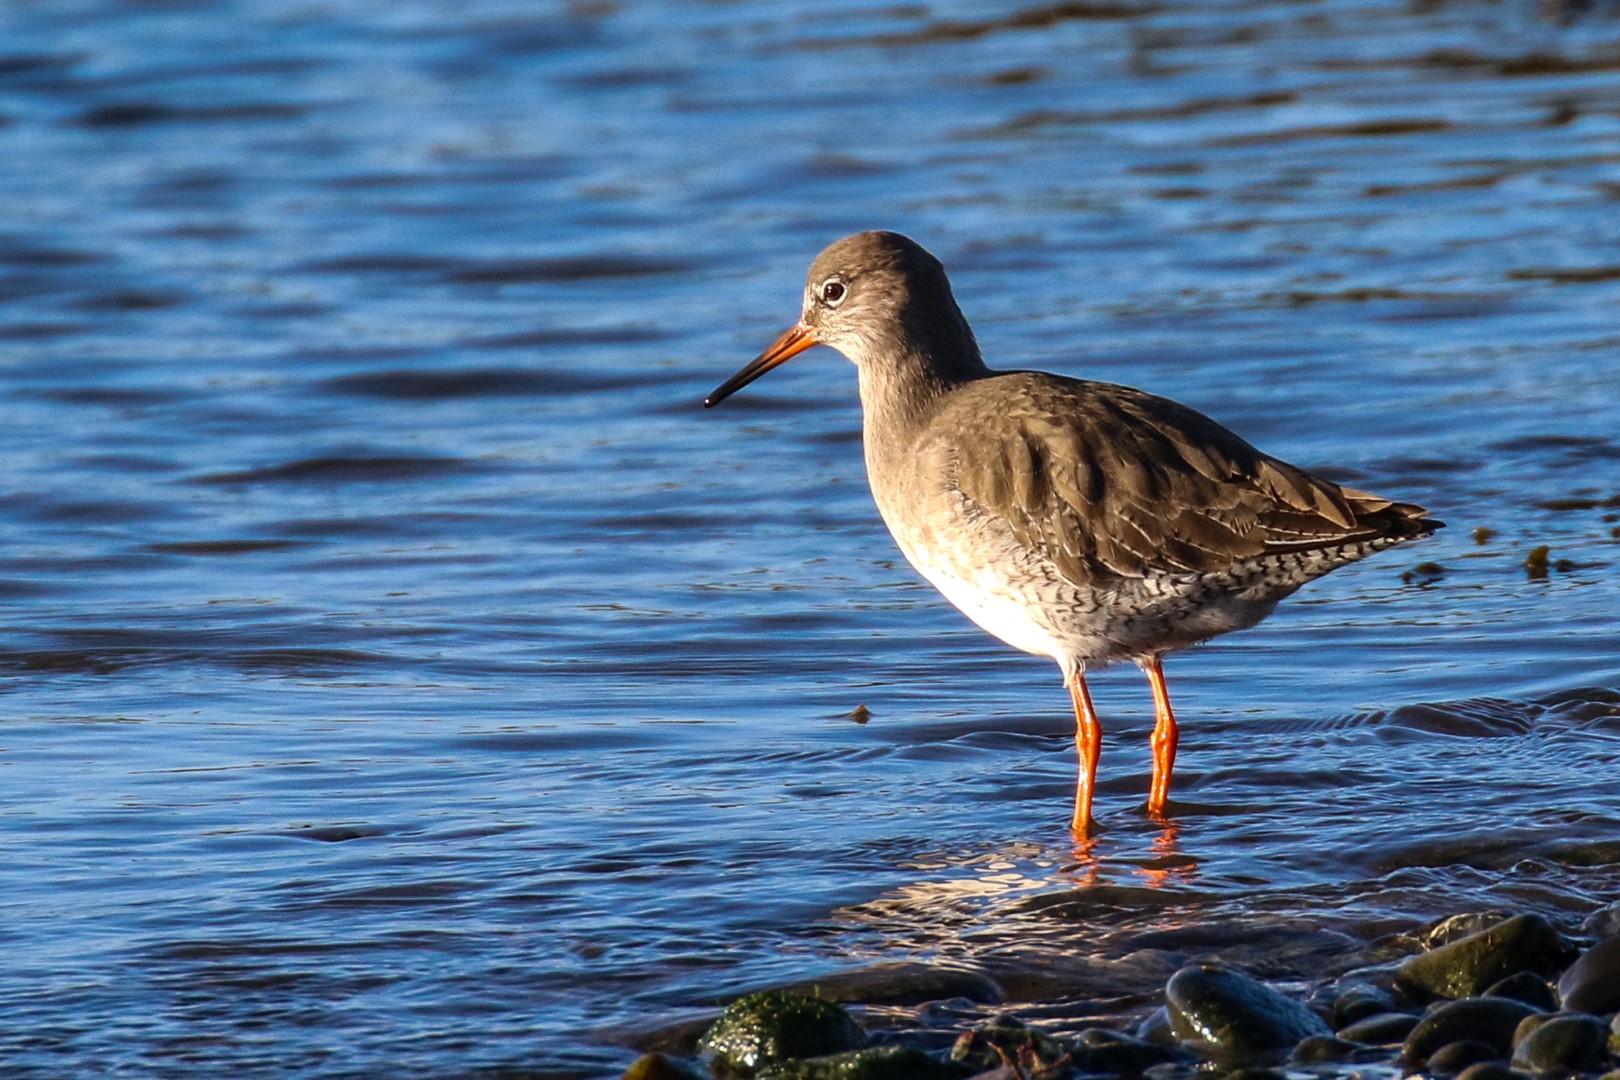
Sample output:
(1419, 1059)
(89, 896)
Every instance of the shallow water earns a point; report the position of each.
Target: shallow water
(403, 673)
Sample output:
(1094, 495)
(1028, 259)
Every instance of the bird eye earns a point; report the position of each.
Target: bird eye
(833, 292)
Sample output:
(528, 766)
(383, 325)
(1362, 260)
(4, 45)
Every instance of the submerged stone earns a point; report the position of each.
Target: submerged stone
(1488, 1020)
(901, 983)
(1385, 1029)
(1468, 966)
(1566, 1043)
(766, 1029)
(1229, 1016)
(1592, 983)
(1006, 1039)
(873, 1063)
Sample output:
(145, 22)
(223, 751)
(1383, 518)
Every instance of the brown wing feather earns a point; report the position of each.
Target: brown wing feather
(1107, 481)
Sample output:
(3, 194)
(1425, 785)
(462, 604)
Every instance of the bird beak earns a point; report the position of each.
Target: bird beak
(798, 338)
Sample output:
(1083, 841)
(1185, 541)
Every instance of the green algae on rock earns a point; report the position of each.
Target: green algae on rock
(767, 1029)
(1226, 1015)
(1470, 965)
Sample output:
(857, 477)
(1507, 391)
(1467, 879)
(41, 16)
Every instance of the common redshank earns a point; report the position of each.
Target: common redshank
(1083, 521)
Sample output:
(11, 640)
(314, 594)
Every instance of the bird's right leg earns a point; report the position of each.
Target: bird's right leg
(1088, 746)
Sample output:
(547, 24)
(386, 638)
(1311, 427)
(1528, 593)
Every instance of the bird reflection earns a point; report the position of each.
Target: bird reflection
(1168, 865)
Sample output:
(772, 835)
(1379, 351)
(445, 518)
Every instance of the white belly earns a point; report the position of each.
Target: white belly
(983, 596)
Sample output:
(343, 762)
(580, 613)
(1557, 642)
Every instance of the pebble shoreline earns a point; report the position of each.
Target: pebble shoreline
(1478, 997)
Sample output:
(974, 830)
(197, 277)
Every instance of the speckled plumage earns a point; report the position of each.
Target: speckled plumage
(1079, 520)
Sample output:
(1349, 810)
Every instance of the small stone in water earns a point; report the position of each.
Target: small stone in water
(1566, 1043)
(1229, 1016)
(1535, 563)
(1483, 535)
(1424, 572)
(1468, 966)
(1488, 1020)
(766, 1029)
(1385, 1029)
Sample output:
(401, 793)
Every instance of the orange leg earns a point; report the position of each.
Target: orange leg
(1164, 739)
(1088, 744)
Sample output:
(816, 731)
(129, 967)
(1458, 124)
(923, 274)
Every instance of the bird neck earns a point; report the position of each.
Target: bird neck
(901, 391)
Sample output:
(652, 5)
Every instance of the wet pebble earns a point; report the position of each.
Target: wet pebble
(1526, 987)
(1359, 1001)
(1592, 983)
(767, 1029)
(658, 1067)
(1226, 1015)
(1455, 1057)
(1566, 1043)
(1114, 1053)
(1155, 1028)
(1007, 1039)
(1253, 1072)
(1491, 1070)
(873, 1063)
(1317, 1049)
(1488, 1020)
(1385, 1029)
(1469, 965)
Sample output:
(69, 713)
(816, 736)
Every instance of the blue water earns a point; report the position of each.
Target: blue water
(403, 674)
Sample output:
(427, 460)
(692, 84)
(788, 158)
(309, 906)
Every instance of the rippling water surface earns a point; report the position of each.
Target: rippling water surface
(404, 675)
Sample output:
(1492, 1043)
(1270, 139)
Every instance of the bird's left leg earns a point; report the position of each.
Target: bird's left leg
(1164, 738)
